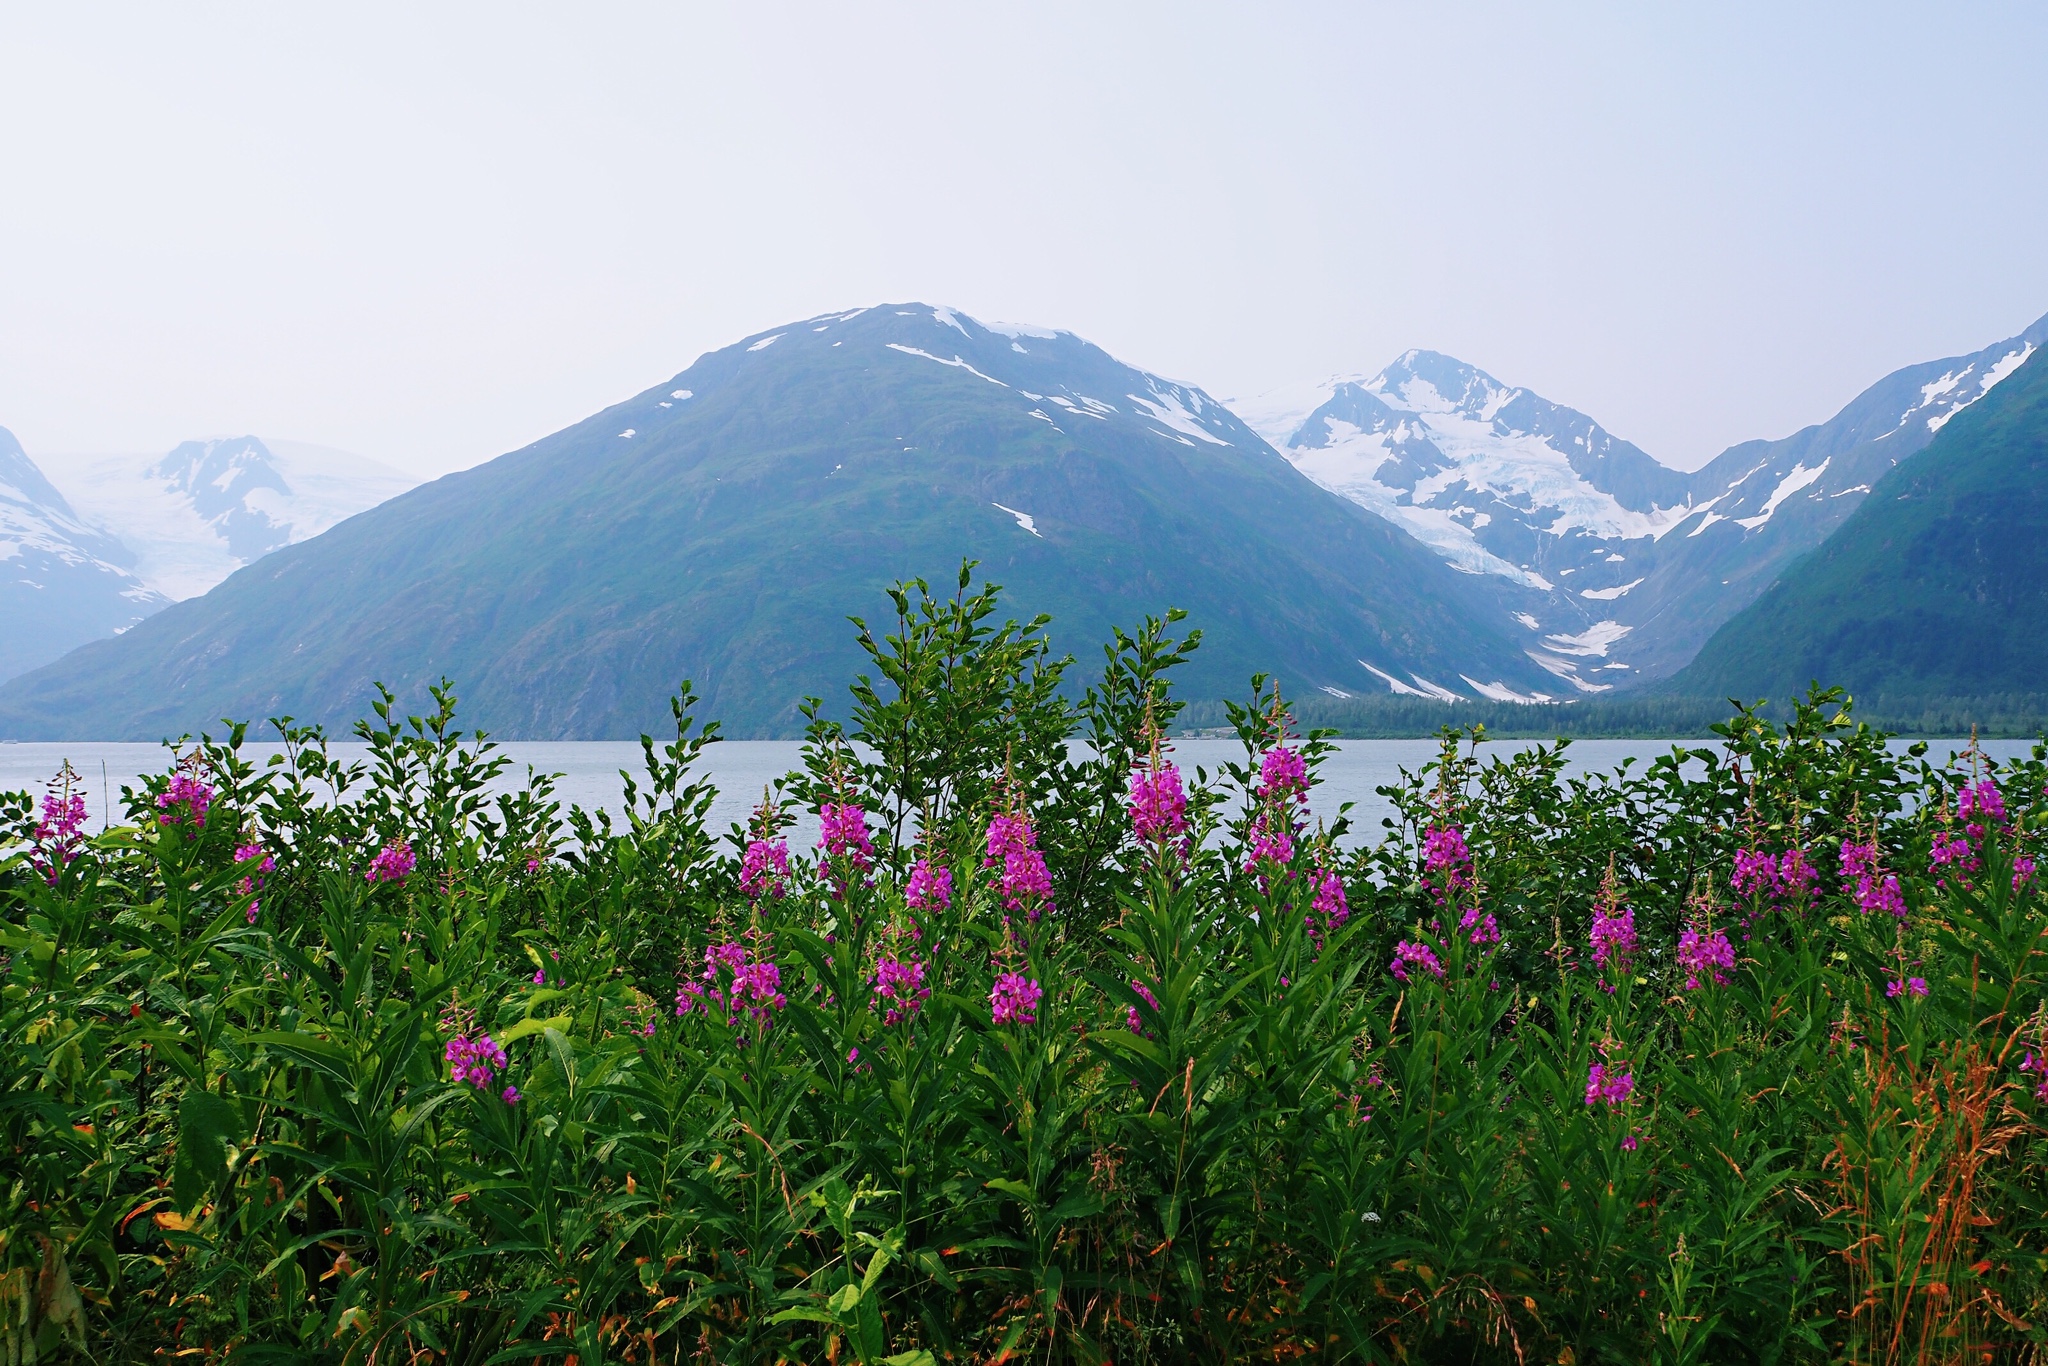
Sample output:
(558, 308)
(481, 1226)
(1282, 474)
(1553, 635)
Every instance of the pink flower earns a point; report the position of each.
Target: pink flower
(1025, 884)
(1911, 986)
(930, 888)
(1272, 842)
(1283, 774)
(1756, 874)
(473, 1061)
(62, 830)
(391, 863)
(1872, 888)
(1705, 957)
(1613, 936)
(510, 1095)
(1446, 862)
(733, 985)
(248, 886)
(1132, 1020)
(1795, 877)
(899, 988)
(1158, 804)
(1609, 1085)
(1014, 999)
(843, 829)
(764, 869)
(2038, 1066)
(1481, 925)
(187, 792)
(1407, 955)
(1329, 910)
(2022, 871)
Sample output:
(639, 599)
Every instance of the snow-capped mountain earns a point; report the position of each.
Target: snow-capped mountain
(1616, 567)
(194, 516)
(62, 582)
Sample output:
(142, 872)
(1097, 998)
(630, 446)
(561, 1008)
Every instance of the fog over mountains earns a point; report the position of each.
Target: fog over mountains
(1424, 530)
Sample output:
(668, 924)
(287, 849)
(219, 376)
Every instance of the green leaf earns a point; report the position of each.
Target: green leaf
(207, 1124)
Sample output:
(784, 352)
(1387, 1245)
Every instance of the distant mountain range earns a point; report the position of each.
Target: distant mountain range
(1935, 586)
(104, 541)
(1483, 542)
(1616, 568)
(722, 525)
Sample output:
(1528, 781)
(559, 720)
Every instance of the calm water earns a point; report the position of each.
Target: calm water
(590, 769)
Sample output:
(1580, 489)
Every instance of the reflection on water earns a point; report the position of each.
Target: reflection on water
(589, 770)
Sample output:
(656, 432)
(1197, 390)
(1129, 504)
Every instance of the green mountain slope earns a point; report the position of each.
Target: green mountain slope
(1936, 587)
(721, 527)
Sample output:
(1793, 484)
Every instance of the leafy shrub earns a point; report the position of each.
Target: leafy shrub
(1050, 1051)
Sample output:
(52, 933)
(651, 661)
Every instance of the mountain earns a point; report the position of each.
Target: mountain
(721, 525)
(194, 516)
(1935, 586)
(62, 583)
(1614, 567)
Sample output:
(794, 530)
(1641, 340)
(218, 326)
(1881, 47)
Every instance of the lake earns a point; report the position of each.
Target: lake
(741, 768)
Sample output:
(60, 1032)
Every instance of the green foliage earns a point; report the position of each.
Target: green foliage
(259, 1109)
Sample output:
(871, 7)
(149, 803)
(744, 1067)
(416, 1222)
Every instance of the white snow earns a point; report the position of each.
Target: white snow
(1336, 692)
(1595, 640)
(1168, 411)
(1441, 694)
(1501, 692)
(1798, 479)
(1394, 685)
(1529, 621)
(681, 393)
(628, 432)
(1022, 330)
(1024, 519)
(765, 342)
(945, 316)
(956, 361)
(1608, 594)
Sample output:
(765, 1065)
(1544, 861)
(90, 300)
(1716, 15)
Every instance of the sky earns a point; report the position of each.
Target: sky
(433, 234)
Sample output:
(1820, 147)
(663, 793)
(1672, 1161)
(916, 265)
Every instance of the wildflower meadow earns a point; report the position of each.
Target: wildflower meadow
(1050, 1051)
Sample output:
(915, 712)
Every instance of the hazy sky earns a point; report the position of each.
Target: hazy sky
(433, 233)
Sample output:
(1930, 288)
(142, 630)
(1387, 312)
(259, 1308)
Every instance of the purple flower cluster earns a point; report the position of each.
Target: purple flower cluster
(1158, 804)
(764, 869)
(733, 985)
(1132, 1021)
(1014, 999)
(1776, 878)
(1446, 862)
(253, 883)
(391, 863)
(1419, 956)
(1024, 883)
(61, 830)
(2037, 1066)
(476, 1061)
(1705, 958)
(1613, 936)
(1283, 775)
(899, 988)
(1480, 925)
(1272, 842)
(930, 887)
(1906, 986)
(843, 830)
(1329, 910)
(1609, 1084)
(189, 793)
(1866, 881)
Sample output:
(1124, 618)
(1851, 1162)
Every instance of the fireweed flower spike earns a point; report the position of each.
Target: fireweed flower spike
(1908, 986)
(184, 801)
(930, 887)
(1014, 999)
(253, 883)
(1446, 862)
(733, 985)
(1158, 803)
(764, 867)
(1864, 879)
(62, 830)
(1609, 1084)
(899, 988)
(1132, 1020)
(1022, 879)
(843, 831)
(1613, 935)
(1706, 957)
(1418, 956)
(391, 863)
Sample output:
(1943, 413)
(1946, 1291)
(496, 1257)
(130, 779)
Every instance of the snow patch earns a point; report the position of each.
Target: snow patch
(682, 393)
(1170, 412)
(1024, 519)
(628, 432)
(945, 316)
(1608, 594)
(1593, 641)
(1501, 692)
(956, 361)
(765, 342)
(1336, 692)
(1529, 621)
(1022, 330)
(1789, 485)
